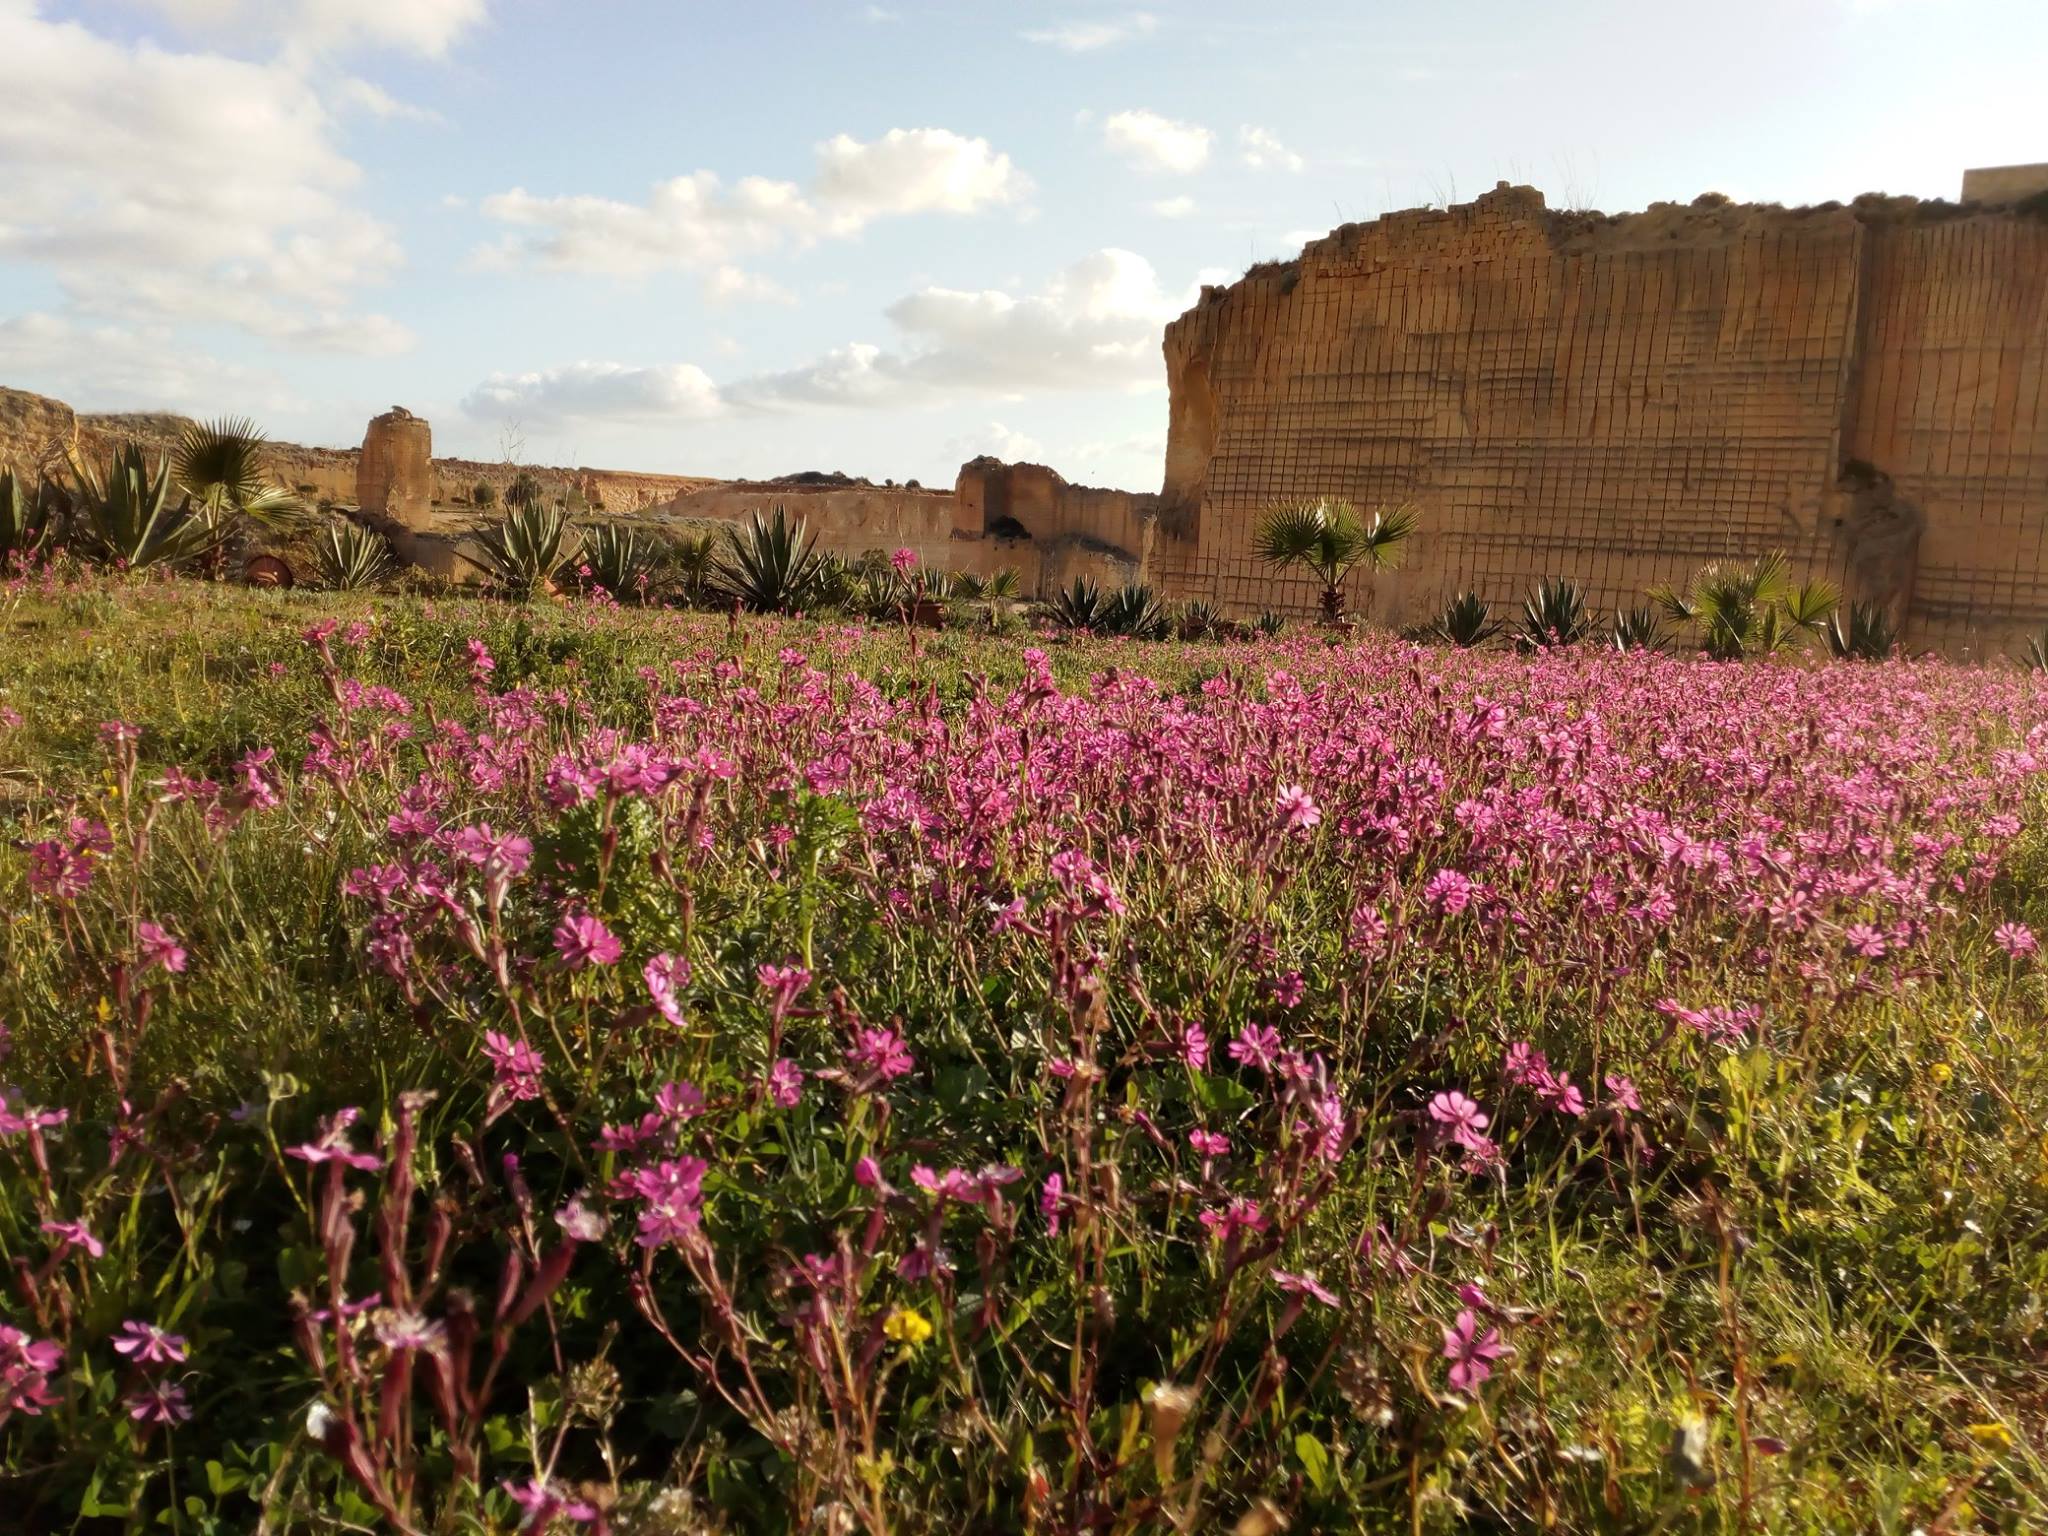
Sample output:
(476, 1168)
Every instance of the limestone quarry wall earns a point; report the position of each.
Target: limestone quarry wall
(1620, 400)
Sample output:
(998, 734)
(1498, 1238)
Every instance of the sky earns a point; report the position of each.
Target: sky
(753, 237)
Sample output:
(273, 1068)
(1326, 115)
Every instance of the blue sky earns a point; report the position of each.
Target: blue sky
(756, 237)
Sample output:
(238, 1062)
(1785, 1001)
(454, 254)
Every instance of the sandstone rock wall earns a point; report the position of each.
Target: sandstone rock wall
(1620, 400)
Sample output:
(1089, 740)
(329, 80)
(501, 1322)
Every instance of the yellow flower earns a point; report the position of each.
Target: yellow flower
(907, 1327)
(1995, 1435)
(106, 1011)
(1941, 1072)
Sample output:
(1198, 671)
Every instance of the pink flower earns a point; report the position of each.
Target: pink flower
(159, 948)
(1305, 1285)
(1256, 1046)
(1051, 1200)
(783, 983)
(904, 561)
(579, 1223)
(867, 1173)
(1864, 940)
(1461, 1118)
(543, 1504)
(1209, 1143)
(1563, 1096)
(881, 1052)
(1449, 891)
(147, 1344)
(582, 940)
(1621, 1092)
(480, 664)
(158, 1402)
(1298, 810)
(26, 1366)
(517, 1065)
(786, 1083)
(666, 976)
(1239, 1216)
(679, 1101)
(1471, 1352)
(333, 1145)
(673, 1194)
(72, 1234)
(2016, 939)
(1194, 1048)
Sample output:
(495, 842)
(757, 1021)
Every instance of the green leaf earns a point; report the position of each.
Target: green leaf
(1315, 1461)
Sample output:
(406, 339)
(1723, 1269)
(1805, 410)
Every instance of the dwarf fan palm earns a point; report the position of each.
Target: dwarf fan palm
(1329, 538)
(1749, 610)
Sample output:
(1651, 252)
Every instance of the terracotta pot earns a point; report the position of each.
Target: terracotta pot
(928, 612)
(268, 571)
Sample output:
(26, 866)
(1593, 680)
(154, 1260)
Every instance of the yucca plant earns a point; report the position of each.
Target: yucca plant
(1465, 621)
(24, 521)
(1079, 605)
(1870, 634)
(770, 566)
(352, 558)
(1636, 629)
(523, 552)
(620, 561)
(1749, 610)
(1134, 609)
(126, 518)
(1554, 614)
(1330, 538)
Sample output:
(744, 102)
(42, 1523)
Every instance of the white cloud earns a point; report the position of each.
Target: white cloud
(1158, 143)
(696, 223)
(736, 285)
(358, 95)
(100, 366)
(1174, 207)
(998, 441)
(913, 170)
(157, 185)
(881, 15)
(427, 27)
(1262, 150)
(1094, 327)
(596, 392)
(1087, 36)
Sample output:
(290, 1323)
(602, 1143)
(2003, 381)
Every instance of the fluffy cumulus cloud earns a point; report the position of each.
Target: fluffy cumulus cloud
(1156, 143)
(1261, 149)
(597, 392)
(159, 185)
(1094, 327)
(1085, 36)
(137, 367)
(697, 223)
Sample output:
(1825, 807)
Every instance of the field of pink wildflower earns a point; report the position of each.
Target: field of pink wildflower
(475, 1069)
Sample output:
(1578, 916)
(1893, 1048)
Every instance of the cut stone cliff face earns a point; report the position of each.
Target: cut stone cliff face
(1622, 399)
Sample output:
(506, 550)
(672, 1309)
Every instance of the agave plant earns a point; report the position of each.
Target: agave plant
(24, 521)
(1554, 614)
(1870, 634)
(769, 566)
(1269, 624)
(620, 561)
(1134, 609)
(524, 551)
(352, 558)
(1330, 538)
(2037, 652)
(1466, 620)
(1749, 610)
(1196, 619)
(1078, 606)
(125, 517)
(1636, 629)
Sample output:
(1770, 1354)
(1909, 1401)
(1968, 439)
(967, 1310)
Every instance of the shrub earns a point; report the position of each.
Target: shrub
(124, 517)
(620, 562)
(1736, 611)
(524, 491)
(483, 495)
